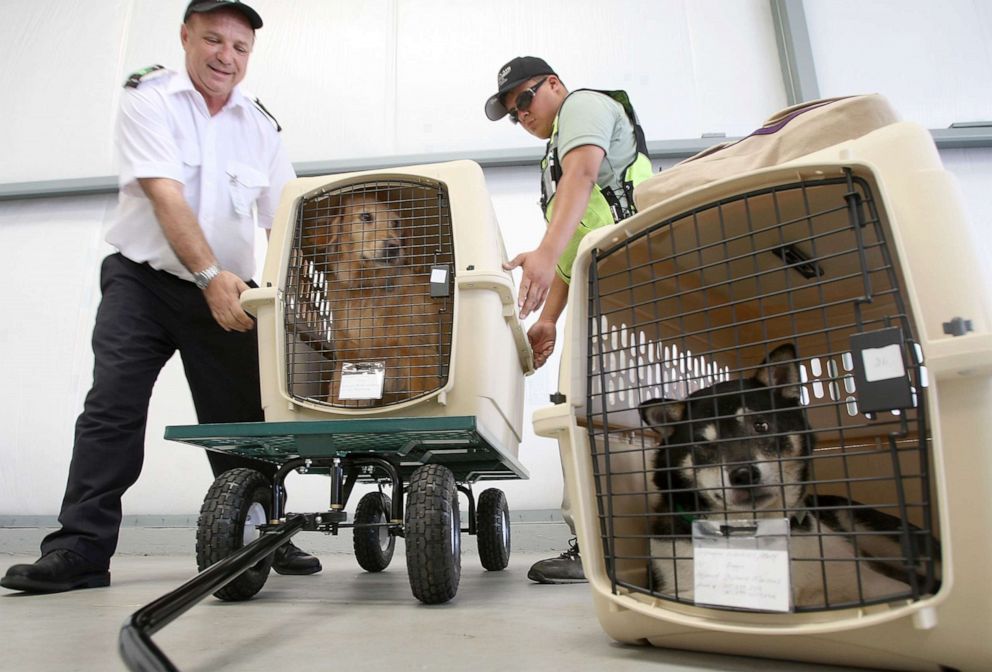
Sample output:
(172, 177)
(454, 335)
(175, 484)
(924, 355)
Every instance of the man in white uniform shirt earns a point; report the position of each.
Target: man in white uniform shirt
(200, 163)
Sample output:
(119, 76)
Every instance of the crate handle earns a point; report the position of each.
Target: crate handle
(503, 285)
(252, 299)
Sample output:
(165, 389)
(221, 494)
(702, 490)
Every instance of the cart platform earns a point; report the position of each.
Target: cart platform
(455, 441)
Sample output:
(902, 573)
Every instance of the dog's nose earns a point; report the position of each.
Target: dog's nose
(746, 475)
(392, 249)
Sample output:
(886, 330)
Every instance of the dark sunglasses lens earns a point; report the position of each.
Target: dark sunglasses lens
(524, 99)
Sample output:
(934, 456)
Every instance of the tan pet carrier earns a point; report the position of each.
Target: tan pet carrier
(390, 354)
(775, 418)
(383, 296)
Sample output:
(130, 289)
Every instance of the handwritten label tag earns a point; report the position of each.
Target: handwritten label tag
(883, 363)
(362, 380)
(742, 564)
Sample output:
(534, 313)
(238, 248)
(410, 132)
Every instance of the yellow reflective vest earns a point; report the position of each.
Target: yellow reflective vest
(605, 205)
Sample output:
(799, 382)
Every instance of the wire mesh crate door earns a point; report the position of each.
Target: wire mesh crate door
(369, 292)
(726, 355)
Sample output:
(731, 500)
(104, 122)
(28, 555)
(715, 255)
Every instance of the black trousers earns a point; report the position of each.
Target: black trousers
(144, 317)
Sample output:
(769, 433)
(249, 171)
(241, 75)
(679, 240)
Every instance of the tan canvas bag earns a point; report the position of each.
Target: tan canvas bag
(789, 134)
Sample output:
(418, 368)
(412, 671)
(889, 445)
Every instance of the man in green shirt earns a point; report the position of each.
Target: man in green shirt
(594, 157)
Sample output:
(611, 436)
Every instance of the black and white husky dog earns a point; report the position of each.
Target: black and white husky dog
(741, 450)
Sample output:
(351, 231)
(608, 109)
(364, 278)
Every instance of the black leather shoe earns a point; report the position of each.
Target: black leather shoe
(291, 560)
(55, 572)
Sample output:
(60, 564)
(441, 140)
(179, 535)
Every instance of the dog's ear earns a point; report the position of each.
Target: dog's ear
(781, 371)
(334, 225)
(659, 414)
(322, 236)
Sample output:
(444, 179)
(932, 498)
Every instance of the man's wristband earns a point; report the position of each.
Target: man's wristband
(203, 278)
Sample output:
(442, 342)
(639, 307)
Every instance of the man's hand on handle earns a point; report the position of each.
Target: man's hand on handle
(182, 230)
(542, 336)
(223, 295)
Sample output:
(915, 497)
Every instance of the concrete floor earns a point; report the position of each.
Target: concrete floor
(341, 619)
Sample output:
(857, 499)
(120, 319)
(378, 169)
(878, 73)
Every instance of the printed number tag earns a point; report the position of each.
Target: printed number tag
(742, 564)
(883, 363)
(362, 380)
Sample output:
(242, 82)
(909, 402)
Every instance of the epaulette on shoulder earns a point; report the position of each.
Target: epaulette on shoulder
(268, 115)
(143, 75)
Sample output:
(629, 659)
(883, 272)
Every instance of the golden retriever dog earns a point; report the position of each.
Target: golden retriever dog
(378, 293)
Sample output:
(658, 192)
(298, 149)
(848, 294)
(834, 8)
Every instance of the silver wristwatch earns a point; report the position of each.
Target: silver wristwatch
(203, 278)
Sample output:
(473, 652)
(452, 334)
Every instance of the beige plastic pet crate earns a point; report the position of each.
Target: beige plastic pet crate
(383, 296)
(858, 256)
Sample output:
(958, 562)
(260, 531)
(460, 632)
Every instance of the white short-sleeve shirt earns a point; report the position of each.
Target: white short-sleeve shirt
(232, 166)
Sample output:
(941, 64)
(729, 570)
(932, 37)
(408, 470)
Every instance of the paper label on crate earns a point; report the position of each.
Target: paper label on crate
(883, 363)
(362, 380)
(742, 564)
(439, 276)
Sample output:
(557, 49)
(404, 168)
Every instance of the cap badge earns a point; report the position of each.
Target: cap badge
(503, 76)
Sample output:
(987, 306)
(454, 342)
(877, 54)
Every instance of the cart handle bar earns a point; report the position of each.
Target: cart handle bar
(135, 644)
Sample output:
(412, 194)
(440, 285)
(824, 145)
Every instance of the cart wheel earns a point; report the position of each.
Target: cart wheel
(373, 545)
(237, 501)
(433, 534)
(492, 525)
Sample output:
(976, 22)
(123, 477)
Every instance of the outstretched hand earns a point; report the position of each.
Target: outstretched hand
(539, 272)
(223, 296)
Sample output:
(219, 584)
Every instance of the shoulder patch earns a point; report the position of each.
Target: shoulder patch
(267, 114)
(145, 73)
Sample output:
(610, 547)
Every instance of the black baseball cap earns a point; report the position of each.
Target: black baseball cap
(510, 76)
(210, 5)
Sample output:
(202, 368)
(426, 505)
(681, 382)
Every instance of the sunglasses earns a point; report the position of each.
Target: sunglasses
(524, 99)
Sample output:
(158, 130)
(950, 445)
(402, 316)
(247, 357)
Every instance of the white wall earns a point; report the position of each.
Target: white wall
(932, 60)
(383, 77)
(366, 79)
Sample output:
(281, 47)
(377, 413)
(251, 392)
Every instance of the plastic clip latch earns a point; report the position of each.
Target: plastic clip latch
(957, 327)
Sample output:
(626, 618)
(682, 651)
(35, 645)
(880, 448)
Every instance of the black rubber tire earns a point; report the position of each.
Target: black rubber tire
(433, 534)
(374, 546)
(220, 529)
(492, 530)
